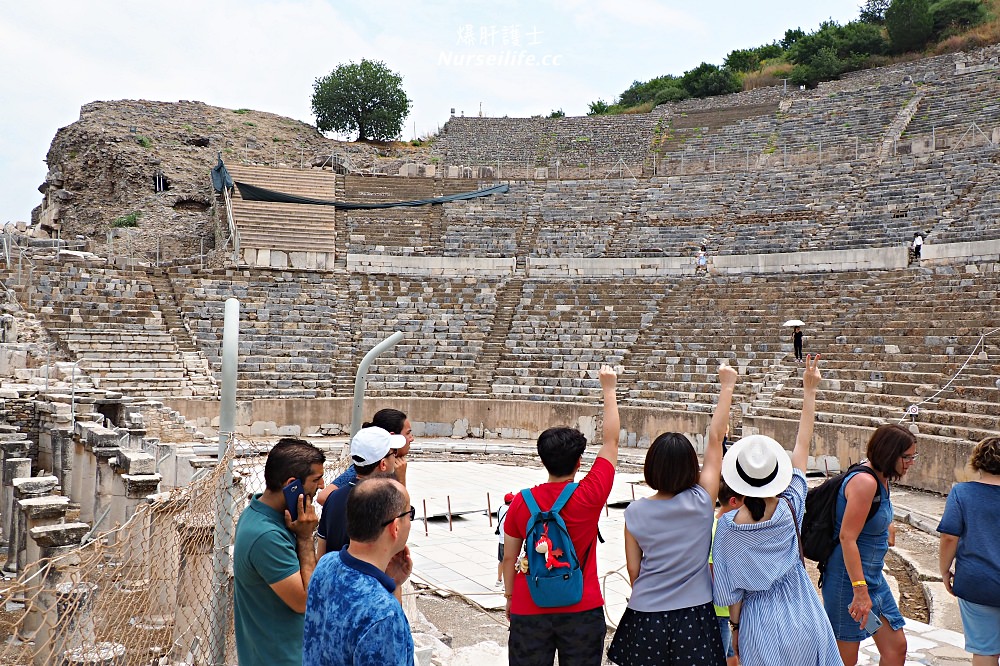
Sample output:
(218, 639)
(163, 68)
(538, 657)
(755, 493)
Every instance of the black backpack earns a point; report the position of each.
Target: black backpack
(818, 537)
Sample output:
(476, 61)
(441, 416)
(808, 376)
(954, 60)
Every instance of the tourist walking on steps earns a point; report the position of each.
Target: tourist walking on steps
(576, 632)
(670, 618)
(701, 261)
(853, 583)
(775, 615)
(918, 244)
(797, 343)
(969, 529)
(396, 423)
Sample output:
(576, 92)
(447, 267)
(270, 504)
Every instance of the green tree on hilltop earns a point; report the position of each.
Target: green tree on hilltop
(909, 24)
(367, 98)
(874, 11)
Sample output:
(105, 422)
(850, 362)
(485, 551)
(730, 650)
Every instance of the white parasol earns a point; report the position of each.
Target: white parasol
(794, 322)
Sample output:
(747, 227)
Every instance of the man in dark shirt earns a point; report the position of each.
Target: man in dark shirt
(373, 451)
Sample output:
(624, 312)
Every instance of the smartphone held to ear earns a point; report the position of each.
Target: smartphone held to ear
(292, 492)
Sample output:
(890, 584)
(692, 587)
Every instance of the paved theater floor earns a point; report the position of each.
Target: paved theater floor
(463, 558)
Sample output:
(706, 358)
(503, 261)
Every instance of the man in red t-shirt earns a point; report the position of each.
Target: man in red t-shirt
(576, 632)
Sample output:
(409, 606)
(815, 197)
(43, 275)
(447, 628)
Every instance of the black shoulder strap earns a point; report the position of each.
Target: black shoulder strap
(877, 499)
(798, 534)
(500, 517)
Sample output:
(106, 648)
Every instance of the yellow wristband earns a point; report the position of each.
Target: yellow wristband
(859, 583)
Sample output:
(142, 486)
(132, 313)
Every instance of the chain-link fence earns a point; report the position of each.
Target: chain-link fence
(154, 590)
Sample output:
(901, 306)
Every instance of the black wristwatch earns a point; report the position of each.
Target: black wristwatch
(735, 626)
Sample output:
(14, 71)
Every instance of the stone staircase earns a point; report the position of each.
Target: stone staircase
(111, 322)
(903, 338)
(508, 298)
(899, 124)
(562, 332)
(772, 382)
(198, 370)
(282, 235)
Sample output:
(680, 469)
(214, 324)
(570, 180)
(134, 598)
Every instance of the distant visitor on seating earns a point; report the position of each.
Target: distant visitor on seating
(918, 243)
(701, 262)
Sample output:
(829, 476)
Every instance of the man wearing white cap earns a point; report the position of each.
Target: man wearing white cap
(373, 451)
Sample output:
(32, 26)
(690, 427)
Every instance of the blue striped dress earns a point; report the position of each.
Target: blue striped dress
(782, 620)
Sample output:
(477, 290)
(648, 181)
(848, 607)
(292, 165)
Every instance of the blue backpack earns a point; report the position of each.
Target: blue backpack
(555, 575)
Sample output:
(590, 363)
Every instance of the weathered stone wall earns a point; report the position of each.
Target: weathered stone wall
(431, 417)
(19, 411)
(520, 145)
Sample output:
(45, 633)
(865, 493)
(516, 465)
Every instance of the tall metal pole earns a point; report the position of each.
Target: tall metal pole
(224, 524)
(72, 400)
(230, 351)
(359, 380)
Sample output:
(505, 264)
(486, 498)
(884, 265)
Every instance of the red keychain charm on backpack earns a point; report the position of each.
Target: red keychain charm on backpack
(544, 546)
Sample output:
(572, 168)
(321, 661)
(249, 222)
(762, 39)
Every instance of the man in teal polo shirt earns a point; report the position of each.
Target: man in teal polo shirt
(274, 558)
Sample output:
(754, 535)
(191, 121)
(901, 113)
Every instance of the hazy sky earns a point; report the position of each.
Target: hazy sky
(509, 58)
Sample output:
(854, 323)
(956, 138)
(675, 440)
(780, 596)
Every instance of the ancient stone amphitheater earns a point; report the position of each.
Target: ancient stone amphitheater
(806, 200)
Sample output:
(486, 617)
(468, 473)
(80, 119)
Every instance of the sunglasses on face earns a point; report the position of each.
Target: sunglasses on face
(411, 512)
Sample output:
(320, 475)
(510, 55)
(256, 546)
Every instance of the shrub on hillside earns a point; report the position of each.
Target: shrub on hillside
(833, 50)
(873, 11)
(823, 66)
(126, 221)
(670, 94)
(708, 80)
(953, 16)
(641, 92)
(792, 35)
(751, 60)
(858, 40)
(598, 108)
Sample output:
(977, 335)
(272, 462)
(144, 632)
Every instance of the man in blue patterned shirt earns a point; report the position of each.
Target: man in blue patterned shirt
(352, 616)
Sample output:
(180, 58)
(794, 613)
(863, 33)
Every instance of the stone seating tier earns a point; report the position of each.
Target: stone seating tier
(111, 321)
(838, 205)
(888, 338)
(941, 422)
(526, 142)
(952, 104)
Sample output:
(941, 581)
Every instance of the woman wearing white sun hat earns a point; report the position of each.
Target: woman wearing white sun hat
(775, 613)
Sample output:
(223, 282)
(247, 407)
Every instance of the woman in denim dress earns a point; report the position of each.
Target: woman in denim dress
(853, 583)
